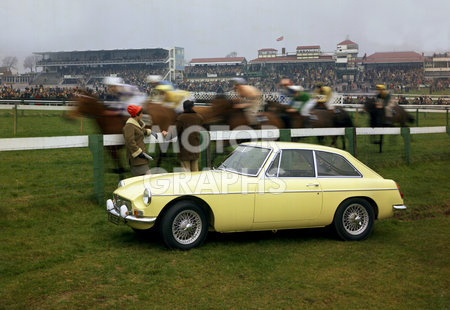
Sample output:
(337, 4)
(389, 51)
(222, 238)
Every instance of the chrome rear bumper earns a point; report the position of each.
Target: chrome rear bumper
(399, 207)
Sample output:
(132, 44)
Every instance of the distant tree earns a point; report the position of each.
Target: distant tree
(231, 55)
(30, 62)
(10, 62)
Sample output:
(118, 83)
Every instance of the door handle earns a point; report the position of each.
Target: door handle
(313, 184)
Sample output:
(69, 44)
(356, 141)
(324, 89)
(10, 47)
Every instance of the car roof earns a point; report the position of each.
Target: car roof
(276, 145)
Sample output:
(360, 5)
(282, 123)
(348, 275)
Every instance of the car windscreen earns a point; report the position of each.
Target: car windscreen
(246, 160)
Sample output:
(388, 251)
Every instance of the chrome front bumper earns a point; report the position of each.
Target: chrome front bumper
(399, 207)
(116, 218)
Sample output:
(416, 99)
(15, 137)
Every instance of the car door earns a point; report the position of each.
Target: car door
(289, 192)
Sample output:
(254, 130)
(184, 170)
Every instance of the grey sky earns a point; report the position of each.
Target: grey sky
(215, 28)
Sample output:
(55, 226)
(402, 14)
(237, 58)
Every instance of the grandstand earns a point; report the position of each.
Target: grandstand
(87, 68)
(341, 69)
(437, 66)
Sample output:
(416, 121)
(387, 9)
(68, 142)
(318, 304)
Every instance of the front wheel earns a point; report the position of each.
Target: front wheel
(184, 226)
(354, 219)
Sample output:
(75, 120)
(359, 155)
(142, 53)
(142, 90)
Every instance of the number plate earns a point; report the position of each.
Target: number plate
(114, 218)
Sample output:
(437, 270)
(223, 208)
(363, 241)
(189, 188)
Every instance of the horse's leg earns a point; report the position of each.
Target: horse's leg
(160, 155)
(334, 141)
(381, 143)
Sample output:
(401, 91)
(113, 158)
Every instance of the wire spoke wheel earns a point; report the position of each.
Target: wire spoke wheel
(186, 227)
(355, 219)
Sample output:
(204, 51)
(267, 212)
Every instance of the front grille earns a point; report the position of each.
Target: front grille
(120, 201)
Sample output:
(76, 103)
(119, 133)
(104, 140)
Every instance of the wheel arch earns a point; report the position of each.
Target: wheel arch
(200, 202)
(372, 203)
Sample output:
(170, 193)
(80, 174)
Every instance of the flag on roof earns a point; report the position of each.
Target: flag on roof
(280, 38)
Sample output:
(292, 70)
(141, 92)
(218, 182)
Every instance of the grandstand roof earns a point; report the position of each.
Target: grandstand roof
(267, 50)
(346, 42)
(290, 59)
(220, 60)
(394, 57)
(307, 47)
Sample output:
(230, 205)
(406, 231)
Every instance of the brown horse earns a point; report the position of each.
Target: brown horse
(321, 117)
(223, 111)
(158, 116)
(377, 117)
(108, 122)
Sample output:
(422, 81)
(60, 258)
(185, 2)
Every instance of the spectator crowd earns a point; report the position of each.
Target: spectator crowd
(215, 78)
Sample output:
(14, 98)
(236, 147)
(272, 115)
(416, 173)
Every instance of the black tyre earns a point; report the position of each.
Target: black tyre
(184, 226)
(354, 219)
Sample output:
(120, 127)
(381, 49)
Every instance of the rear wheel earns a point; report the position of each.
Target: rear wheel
(184, 226)
(354, 219)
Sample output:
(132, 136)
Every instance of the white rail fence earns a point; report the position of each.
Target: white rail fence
(97, 142)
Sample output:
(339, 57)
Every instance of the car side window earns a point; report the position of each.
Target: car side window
(273, 169)
(296, 164)
(331, 164)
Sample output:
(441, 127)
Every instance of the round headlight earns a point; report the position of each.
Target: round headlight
(147, 197)
(121, 183)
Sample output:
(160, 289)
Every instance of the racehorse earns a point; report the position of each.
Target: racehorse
(160, 117)
(321, 117)
(377, 117)
(223, 108)
(108, 122)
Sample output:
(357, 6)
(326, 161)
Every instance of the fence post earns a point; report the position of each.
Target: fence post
(285, 135)
(417, 117)
(205, 154)
(96, 147)
(350, 134)
(15, 118)
(405, 132)
(446, 116)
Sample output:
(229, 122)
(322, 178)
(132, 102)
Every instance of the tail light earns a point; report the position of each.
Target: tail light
(398, 187)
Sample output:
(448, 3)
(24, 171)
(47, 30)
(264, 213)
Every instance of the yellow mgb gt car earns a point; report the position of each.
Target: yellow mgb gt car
(259, 186)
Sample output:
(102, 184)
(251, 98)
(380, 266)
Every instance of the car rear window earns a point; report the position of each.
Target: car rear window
(335, 165)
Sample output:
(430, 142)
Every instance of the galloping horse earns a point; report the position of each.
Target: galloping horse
(108, 122)
(321, 118)
(111, 122)
(222, 108)
(377, 117)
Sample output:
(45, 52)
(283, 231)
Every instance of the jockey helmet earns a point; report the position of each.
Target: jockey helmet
(295, 88)
(324, 94)
(238, 81)
(164, 87)
(113, 81)
(153, 78)
(286, 82)
(380, 87)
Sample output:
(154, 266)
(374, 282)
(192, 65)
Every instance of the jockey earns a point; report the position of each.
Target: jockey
(172, 98)
(285, 94)
(321, 99)
(121, 95)
(249, 99)
(383, 100)
(300, 97)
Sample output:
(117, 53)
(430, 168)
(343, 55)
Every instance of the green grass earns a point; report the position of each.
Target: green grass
(57, 249)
